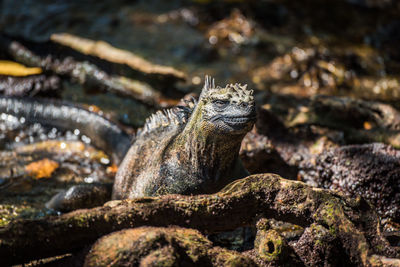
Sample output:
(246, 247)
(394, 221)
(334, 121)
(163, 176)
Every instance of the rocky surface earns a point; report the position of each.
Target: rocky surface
(289, 52)
(351, 222)
(370, 171)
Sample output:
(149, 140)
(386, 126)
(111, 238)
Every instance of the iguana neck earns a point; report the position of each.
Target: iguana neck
(211, 153)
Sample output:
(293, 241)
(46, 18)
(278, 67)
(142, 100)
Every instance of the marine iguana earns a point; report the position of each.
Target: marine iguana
(192, 149)
(184, 150)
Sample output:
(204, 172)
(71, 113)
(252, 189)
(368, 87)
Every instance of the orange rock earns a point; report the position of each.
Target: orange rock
(367, 125)
(112, 169)
(42, 168)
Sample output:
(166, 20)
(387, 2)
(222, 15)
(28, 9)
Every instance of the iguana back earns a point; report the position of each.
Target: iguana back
(144, 157)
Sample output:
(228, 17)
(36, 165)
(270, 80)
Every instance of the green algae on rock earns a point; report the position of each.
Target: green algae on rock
(174, 246)
(353, 223)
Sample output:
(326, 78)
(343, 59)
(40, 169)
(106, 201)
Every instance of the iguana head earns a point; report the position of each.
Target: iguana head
(229, 110)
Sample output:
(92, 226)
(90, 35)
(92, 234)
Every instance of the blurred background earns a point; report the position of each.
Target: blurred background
(126, 59)
(346, 47)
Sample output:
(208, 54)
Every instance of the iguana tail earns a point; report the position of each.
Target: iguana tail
(103, 133)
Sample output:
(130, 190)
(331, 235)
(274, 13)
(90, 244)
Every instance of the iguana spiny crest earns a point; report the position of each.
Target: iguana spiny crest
(235, 93)
(190, 149)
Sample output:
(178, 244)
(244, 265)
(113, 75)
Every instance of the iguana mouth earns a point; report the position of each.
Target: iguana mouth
(238, 120)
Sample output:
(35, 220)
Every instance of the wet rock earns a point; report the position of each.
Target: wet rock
(359, 71)
(31, 174)
(235, 30)
(260, 156)
(42, 168)
(150, 246)
(30, 85)
(317, 247)
(313, 69)
(80, 196)
(91, 126)
(371, 171)
(240, 239)
(19, 80)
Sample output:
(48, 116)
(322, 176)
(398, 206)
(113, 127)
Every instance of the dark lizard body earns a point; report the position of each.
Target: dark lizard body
(189, 150)
(184, 150)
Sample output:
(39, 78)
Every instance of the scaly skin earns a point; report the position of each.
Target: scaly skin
(189, 150)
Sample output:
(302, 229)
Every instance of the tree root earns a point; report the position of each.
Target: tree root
(159, 246)
(31, 85)
(361, 121)
(351, 222)
(83, 69)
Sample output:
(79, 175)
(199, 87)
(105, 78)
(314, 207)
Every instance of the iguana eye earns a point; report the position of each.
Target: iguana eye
(243, 105)
(220, 103)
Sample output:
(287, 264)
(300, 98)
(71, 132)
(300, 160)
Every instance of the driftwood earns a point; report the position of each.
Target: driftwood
(352, 222)
(93, 73)
(360, 121)
(159, 246)
(29, 85)
(18, 80)
(344, 112)
(107, 52)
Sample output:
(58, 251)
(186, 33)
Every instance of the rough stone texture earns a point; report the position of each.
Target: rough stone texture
(351, 221)
(152, 246)
(30, 85)
(260, 156)
(318, 247)
(371, 171)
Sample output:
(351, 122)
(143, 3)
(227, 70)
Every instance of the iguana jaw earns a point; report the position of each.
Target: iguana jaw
(232, 120)
(232, 125)
(239, 123)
